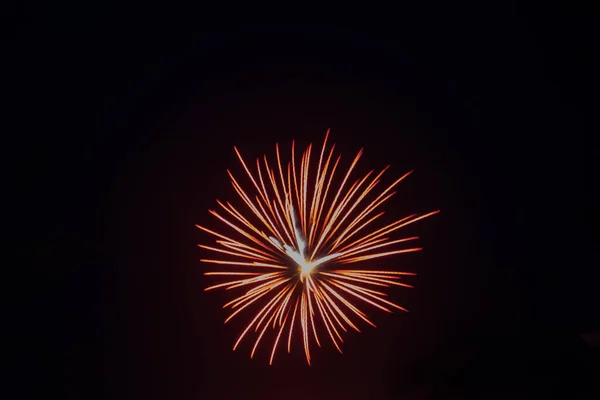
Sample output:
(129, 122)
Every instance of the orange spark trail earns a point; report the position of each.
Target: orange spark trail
(290, 250)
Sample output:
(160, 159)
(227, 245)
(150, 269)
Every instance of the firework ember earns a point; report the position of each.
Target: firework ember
(291, 251)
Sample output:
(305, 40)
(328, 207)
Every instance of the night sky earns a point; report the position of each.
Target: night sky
(129, 150)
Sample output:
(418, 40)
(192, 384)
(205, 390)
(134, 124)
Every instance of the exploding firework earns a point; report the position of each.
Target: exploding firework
(292, 249)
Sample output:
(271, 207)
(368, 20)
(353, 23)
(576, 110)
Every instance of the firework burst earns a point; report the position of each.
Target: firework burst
(292, 249)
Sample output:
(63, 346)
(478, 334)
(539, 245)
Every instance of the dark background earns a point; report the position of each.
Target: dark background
(129, 125)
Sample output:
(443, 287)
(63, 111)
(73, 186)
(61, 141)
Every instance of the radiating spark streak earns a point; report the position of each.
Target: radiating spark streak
(235, 214)
(373, 280)
(265, 285)
(285, 304)
(301, 194)
(341, 314)
(270, 284)
(285, 191)
(303, 324)
(226, 252)
(354, 279)
(242, 194)
(274, 210)
(277, 339)
(397, 225)
(249, 174)
(323, 260)
(310, 307)
(260, 179)
(366, 293)
(362, 245)
(241, 231)
(242, 282)
(327, 322)
(300, 243)
(327, 232)
(251, 264)
(259, 254)
(322, 203)
(263, 281)
(218, 286)
(285, 229)
(338, 243)
(346, 288)
(263, 217)
(353, 190)
(250, 300)
(384, 194)
(340, 189)
(331, 306)
(254, 298)
(263, 310)
(378, 255)
(294, 241)
(350, 306)
(304, 188)
(374, 276)
(370, 207)
(276, 190)
(374, 204)
(232, 273)
(278, 301)
(272, 227)
(357, 202)
(231, 241)
(261, 334)
(292, 326)
(359, 274)
(317, 180)
(360, 289)
(376, 246)
(375, 235)
(368, 271)
(334, 202)
(294, 174)
(320, 198)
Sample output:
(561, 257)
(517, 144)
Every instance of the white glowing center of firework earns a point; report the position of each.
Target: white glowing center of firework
(297, 254)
